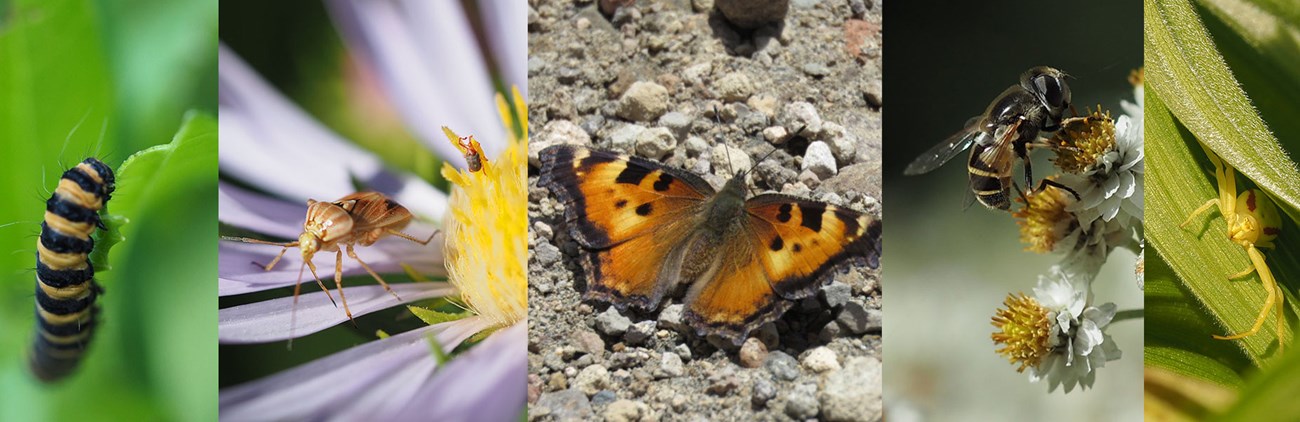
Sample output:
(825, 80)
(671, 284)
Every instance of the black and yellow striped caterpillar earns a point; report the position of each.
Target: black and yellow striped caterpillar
(65, 279)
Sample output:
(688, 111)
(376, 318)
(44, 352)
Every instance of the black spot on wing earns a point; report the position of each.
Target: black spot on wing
(784, 213)
(644, 209)
(665, 180)
(777, 244)
(620, 203)
(632, 174)
(812, 217)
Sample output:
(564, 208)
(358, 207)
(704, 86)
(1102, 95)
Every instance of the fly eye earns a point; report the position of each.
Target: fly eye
(1055, 93)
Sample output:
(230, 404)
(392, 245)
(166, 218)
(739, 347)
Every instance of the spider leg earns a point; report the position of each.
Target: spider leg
(1205, 207)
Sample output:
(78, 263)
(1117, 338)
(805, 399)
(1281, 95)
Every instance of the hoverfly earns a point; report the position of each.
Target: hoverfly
(360, 218)
(1006, 131)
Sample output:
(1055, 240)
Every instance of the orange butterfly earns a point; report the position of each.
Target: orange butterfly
(646, 227)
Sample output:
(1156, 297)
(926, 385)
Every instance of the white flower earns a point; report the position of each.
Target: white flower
(1078, 344)
(1110, 186)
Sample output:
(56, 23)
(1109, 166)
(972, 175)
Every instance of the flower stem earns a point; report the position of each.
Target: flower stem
(1127, 314)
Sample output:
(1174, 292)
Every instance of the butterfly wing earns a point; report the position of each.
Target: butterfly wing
(790, 248)
(633, 216)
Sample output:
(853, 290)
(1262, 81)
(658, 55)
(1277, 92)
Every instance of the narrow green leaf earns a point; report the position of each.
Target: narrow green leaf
(1200, 255)
(1271, 395)
(432, 317)
(1185, 69)
(1175, 332)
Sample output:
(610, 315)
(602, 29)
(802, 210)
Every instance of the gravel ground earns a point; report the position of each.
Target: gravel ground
(682, 83)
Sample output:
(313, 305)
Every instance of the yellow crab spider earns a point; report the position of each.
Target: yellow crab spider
(1253, 223)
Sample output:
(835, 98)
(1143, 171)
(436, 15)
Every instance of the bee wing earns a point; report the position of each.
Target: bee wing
(947, 149)
(1001, 151)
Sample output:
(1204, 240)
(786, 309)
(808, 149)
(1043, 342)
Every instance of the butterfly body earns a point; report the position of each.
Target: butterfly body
(647, 228)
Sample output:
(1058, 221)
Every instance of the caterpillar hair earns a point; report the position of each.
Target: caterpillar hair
(65, 279)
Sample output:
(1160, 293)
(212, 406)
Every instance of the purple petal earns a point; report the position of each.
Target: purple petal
(366, 382)
(240, 271)
(502, 20)
(269, 142)
(488, 382)
(430, 66)
(247, 210)
(278, 319)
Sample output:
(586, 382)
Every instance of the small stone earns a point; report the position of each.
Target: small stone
(556, 132)
(723, 382)
(639, 332)
(855, 318)
(590, 343)
(679, 403)
(608, 7)
(837, 294)
(624, 138)
(682, 351)
(655, 143)
(695, 146)
(819, 159)
(670, 366)
(802, 402)
(752, 353)
(612, 323)
(763, 103)
(678, 123)
(625, 410)
(816, 70)
(643, 102)
(543, 230)
(874, 96)
(592, 379)
(729, 160)
(775, 135)
(782, 366)
(820, 360)
(546, 254)
(557, 382)
(764, 391)
(603, 397)
(567, 405)
(809, 179)
(799, 116)
(671, 317)
(750, 14)
(830, 331)
(854, 393)
(734, 87)
(843, 144)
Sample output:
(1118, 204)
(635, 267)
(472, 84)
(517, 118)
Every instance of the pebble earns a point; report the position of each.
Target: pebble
(836, 294)
(830, 331)
(855, 318)
(543, 230)
(723, 382)
(625, 410)
(556, 132)
(695, 146)
(639, 332)
(612, 323)
(763, 103)
(655, 143)
(671, 317)
(678, 123)
(624, 138)
(557, 382)
(734, 87)
(643, 102)
(816, 70)
(820, 160)
(854, 393)
(843, 144)
(775, 135)
(763, 392)
(739, 160)
(752, 353)
(683, 351)
(801, 115)
(590, 343)
(567, 405)
(592, 379)
(546, 254)
(603, 397)
(820, 360)
(670, 366)
(801, 403)
(750, 14)
(782, 366)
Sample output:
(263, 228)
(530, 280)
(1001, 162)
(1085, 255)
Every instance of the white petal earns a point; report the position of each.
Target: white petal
(489, 382)
(502, 18)
(247, 210)
(327, 387)
(278, 319)
(239, 264)
(429, 62)
(270, 143)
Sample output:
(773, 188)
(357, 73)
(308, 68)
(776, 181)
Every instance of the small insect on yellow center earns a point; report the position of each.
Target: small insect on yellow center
(1025, 330)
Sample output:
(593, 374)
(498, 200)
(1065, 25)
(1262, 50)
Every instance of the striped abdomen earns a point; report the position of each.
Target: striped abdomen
(991, 184)
(65, 280)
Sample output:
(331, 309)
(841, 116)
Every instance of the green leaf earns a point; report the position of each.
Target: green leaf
(1271, 395)
(1185, 69)
(1178, 181)
(432, 317)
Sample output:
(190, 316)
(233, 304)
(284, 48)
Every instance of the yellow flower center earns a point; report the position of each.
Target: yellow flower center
(1041, 218)
(1026, 327)
(1082, 141)
(486, 249)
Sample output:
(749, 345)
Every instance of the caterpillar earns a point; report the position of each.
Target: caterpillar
(66, 312)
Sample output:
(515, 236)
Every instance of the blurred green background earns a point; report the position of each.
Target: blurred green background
(947, 270)
(133, 68)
